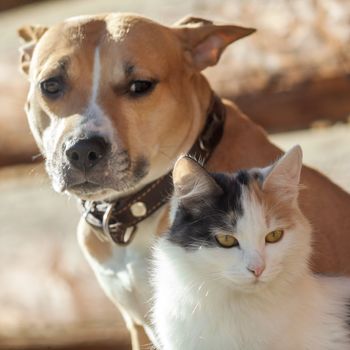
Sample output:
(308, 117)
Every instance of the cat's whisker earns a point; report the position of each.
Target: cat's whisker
(200, 286)
(195, 308)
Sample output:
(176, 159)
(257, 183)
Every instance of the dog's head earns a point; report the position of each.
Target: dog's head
(114, 98)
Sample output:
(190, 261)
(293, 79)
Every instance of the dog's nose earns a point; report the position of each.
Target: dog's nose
(86, 153)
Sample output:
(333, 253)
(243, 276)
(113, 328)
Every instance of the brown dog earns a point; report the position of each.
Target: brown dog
(114, 100)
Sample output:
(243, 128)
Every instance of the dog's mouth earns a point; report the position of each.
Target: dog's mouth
(103, 181)
(88, 190)
(86, 186)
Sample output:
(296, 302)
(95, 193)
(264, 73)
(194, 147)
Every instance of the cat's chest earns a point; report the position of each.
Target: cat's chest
(217, 321)
(231, 325)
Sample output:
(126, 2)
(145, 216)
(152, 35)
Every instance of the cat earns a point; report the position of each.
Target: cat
(233, 270)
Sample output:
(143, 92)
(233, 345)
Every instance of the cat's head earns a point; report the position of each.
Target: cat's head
(244, 229)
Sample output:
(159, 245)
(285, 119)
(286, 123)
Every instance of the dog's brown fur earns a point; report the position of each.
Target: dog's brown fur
(165, 123)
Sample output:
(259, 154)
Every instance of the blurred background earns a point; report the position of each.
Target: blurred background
(292, 77)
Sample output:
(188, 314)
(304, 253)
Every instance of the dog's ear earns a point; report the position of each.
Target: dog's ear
(205, 41)
(30, 36)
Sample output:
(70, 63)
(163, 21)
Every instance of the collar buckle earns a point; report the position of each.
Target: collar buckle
(119, 232)
(89, 210)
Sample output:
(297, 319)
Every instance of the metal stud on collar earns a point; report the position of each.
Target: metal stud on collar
(138, 209)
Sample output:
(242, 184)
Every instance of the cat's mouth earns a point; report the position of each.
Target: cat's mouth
(248, 286)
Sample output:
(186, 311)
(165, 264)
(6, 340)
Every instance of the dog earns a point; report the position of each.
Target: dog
(114, 100)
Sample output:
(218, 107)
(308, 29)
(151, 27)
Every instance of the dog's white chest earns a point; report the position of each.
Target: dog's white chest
(124, 276)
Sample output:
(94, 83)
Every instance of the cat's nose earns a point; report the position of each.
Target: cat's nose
(255, 262)
(256, 270)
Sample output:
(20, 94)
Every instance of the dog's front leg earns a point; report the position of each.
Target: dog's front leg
(139, 338)
(98, 254)
(138, 335)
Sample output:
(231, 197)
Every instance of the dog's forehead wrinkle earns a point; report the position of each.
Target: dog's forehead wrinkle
(54, 67)
(129, 68)
(64, 62)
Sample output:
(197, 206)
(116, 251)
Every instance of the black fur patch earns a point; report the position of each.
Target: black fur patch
(140, 168)
(192, 229)
(243, 177)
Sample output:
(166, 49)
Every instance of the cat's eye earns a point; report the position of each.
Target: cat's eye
(226, 241)
(274, 236)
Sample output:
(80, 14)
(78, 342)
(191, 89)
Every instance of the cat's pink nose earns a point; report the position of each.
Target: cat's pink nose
(256, 270)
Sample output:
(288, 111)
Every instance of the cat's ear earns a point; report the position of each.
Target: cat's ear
(192, 183)
(204, 41)
(284, 176)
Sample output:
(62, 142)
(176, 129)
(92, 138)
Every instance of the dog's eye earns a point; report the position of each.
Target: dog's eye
(52, 87)
(141, 87)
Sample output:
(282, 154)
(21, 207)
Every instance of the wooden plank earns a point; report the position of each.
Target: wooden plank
(10, 4)
(99, 345)
(299, 107)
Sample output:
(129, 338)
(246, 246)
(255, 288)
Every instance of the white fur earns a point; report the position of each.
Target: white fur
(207, 299)
(96, 75)
(124, 277)
(96, 121)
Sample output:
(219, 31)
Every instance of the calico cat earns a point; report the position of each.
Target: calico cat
(233, 271)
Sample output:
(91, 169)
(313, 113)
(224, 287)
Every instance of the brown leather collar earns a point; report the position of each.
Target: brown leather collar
(118, 220)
